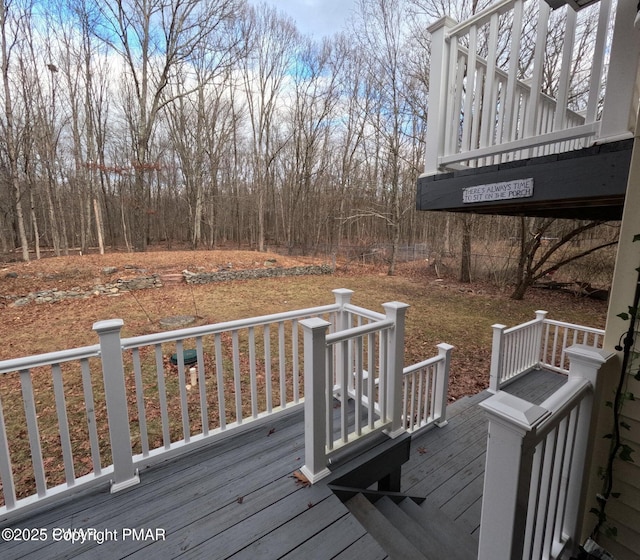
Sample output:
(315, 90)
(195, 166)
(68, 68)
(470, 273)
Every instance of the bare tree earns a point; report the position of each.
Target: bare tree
(381, 33)
(13, 16)
(269, 40)
(155, 39)
(542, 254)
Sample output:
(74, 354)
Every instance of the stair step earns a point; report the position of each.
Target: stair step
(450, 540)
(397, 546)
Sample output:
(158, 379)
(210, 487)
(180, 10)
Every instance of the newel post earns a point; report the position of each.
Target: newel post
(584, 363)
(496, 357)
(395, 311)
(115, 393)
(438, 90)
(620, 100)
(317, 390)
(538, 346)
(508, 472)
(442, 384)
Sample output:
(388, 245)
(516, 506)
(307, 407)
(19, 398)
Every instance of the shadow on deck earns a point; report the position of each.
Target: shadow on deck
(238, 498)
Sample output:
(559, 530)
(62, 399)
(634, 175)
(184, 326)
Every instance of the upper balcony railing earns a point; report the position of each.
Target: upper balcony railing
(517, 81)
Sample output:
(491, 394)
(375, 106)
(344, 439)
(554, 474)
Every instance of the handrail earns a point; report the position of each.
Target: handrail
(536, 463)
(49, 358)
(481, 18)
(355, 332)
(194, 332)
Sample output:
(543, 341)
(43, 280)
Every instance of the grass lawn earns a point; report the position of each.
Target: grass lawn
(440, 311)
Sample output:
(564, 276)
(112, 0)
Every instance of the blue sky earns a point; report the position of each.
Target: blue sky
(315, 17)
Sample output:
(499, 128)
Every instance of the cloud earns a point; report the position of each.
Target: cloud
(317, 18)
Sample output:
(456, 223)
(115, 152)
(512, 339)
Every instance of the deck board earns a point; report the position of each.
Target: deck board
(237, 499)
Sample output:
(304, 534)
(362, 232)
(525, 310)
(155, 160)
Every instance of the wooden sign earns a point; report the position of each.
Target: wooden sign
(518, 188)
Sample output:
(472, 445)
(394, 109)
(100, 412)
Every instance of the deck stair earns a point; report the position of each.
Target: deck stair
(408, 527)
(368, 483)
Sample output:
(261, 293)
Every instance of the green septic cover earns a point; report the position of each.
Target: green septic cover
(189, 357)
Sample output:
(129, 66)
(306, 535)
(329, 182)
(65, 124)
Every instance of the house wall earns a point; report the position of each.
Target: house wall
(624, 512)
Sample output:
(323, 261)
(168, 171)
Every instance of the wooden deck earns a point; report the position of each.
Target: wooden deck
(238, 499)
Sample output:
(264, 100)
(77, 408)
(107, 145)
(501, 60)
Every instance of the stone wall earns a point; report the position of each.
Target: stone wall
(155, 281)
(252, 274)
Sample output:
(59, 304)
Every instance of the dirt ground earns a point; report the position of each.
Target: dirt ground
(76, 271)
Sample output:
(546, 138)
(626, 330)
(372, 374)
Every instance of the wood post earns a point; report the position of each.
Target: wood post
(115, 392)
(396, 312)
(620, 101)
(317, 389)
(496, 357)
(540, 317)
(438, 91)
(442, 384)
(510, 449)
(585, 362)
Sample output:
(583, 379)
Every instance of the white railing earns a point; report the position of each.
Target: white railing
(540, 343)
(487, 102)
(425, 391)
(142, 407)
(367, 360)
(335, 366)
(536, 463)
(557, 336)
(89, 415)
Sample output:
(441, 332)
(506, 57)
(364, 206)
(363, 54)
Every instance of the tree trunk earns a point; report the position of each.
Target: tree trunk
(465, 265)
(12, 154)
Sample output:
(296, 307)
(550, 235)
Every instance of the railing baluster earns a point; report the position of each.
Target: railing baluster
(534, 109)
(182, 389)
(267, 368)
(162, 397)
(546, 493)
(533, 508)
(371, 389)
(237, 379)
(412, 408)
(87, 387)
(253, 373)
(6, 472)
(142, 417)
(599, 54)
(283, 364)
(560, 118)
(202, 382)
(329, 396)
(222, 408)
(344, 374)
(469, 91)
(489, 105)
(358, 386)
(383, 379)
(295, 362)
(63, 424)
(33, 431)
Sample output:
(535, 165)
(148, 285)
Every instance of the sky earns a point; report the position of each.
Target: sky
(315, 17)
